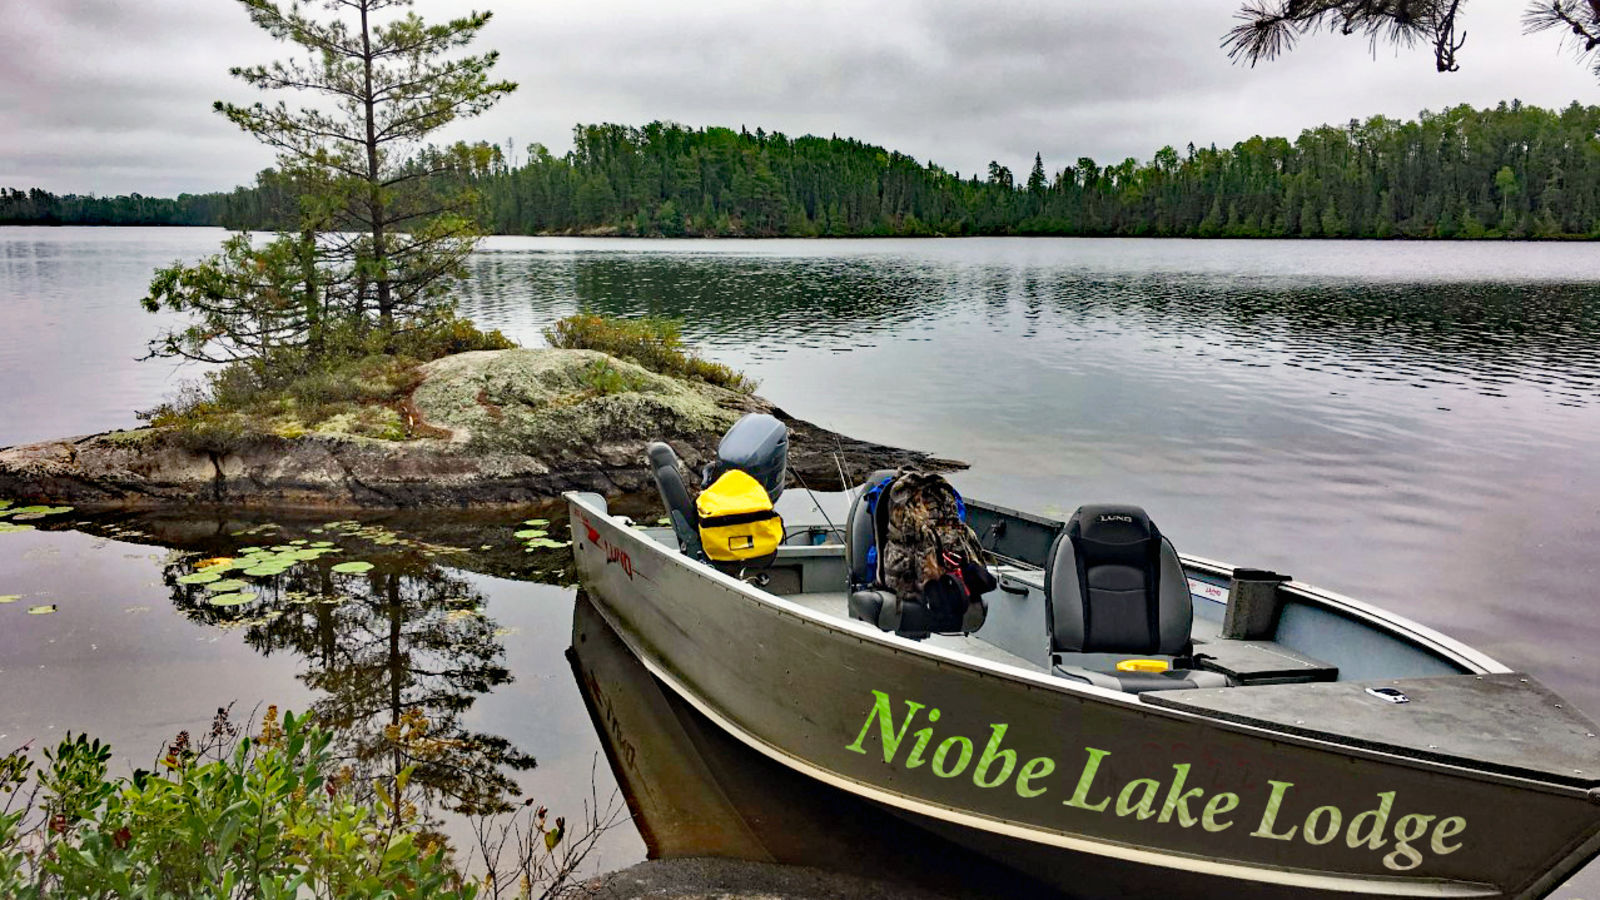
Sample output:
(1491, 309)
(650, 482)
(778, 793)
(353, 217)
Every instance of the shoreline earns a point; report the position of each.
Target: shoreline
(513, 428)
(609, 233)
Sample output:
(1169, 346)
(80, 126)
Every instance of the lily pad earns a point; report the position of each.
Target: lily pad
(10, 598)
(537, 522)
(531, 533)
(353, 568)
(323, 544)
(264, 571)
(226, 586)
(39, 511)
(230, 599)
(7, 527)
(44, 610)
(200, 578)
(245, 551)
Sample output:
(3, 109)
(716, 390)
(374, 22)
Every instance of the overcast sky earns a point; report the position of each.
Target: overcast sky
(112, 96)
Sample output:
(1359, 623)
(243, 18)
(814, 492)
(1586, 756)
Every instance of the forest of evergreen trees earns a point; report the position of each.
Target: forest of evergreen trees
(37, 207)
(1513, 171)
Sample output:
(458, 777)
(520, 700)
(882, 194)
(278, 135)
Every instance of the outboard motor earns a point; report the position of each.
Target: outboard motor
(757, 445)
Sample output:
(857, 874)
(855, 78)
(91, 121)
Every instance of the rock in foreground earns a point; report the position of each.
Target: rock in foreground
(511, 427)
(728, 879)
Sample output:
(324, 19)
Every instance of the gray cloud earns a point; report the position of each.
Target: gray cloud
(114, 96)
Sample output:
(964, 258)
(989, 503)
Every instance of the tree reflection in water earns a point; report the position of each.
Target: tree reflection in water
(397, 655)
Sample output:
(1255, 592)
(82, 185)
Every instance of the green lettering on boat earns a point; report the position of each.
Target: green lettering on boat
(883, 711)
(1080, 795)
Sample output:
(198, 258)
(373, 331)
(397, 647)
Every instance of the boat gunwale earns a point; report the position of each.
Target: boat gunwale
(1471, 658)
(1384, 885)
(1039, 680)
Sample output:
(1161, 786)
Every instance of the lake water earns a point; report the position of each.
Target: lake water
(1413, 424)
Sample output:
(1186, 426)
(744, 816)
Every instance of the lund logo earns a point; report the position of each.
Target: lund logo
(1112, 517)
(619, 556)
(614, 554)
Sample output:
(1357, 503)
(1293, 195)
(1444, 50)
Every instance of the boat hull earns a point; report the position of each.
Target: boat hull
(997, 757)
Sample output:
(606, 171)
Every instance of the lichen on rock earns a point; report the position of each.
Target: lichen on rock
(556, 404)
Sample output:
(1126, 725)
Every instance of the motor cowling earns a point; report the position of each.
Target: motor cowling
(758, 445)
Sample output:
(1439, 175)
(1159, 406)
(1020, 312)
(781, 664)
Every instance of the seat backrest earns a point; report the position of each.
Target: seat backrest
(858, 535)
(675, 497)
(1113, 584)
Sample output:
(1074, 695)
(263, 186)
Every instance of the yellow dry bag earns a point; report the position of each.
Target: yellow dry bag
(736, 519)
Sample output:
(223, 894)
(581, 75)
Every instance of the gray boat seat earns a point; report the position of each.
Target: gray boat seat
(1114, 585)
(876, 605)
(675, 497)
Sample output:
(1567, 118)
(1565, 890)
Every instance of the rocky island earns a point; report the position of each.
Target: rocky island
(480, 429)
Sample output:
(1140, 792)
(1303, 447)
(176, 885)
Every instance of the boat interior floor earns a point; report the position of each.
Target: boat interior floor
(835, 604)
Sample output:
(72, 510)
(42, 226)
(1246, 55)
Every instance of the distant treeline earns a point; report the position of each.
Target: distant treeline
(37, 207)
(1512, 171)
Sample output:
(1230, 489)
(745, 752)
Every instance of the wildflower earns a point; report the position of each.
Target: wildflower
(271, 731)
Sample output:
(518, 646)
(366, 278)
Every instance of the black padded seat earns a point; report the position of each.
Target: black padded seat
(880, 607)
(675, 497)
(1114, 585)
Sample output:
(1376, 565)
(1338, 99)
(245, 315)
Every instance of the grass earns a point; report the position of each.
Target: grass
(652, 342)
(355, 390)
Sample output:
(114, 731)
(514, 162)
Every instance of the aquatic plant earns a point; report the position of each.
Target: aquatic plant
(24, 513)
(535, 539)
(16, 514)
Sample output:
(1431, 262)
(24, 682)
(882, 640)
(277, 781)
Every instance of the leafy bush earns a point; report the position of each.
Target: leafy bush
(653, 342)
(604, 378)
(354, 383)
(269, 818)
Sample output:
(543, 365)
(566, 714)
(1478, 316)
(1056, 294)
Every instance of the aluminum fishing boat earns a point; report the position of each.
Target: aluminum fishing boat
(1290, 741)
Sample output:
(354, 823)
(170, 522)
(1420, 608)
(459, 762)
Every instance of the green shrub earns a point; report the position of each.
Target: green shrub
(603, 378)
(270, 819)
(448, 335)
(653, 342)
